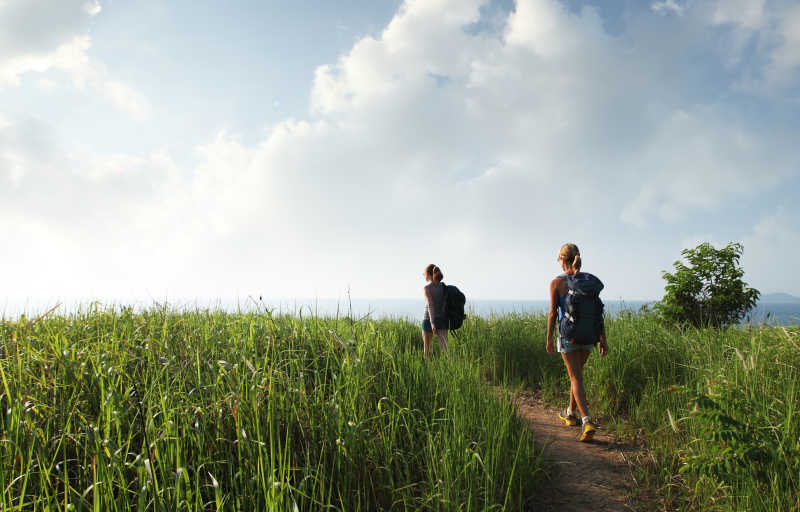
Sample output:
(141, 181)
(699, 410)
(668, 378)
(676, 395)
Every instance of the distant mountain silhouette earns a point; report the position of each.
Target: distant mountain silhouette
(779, 297)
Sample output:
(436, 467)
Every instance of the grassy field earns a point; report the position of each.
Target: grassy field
(111, 410)
(718, 410)
(160, 410)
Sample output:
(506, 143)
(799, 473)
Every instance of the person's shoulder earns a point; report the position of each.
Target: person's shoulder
(558, 283)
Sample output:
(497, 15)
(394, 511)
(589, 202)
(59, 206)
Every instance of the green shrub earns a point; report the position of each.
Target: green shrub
(708, 291)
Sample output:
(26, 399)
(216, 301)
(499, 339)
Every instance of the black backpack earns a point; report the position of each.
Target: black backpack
(454, 302)
(582, 321)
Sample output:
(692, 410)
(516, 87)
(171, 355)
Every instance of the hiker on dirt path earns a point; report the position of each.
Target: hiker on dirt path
(574, 295)
(434, 320)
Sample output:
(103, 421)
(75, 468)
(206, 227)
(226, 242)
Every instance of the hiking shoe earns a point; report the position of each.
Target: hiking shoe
(570, 419)
(588, 432)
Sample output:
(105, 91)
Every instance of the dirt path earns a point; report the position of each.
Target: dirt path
(591, 476)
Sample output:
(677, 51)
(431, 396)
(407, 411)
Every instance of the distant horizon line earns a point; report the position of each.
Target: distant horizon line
(263, 298)
(305, 299)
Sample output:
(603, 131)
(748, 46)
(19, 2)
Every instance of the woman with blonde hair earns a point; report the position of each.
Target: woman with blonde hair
(573, 351)
(434, 321)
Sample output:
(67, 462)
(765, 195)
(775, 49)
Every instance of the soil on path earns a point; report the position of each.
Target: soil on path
(593, 476)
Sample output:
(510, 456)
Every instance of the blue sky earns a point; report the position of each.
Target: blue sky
(298, 149)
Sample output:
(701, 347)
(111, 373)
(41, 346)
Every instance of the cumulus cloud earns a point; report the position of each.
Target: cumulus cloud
(44, 181)
(69, 56)
(770, 247)
(745, 13)
(698, 162)
(667, 6)
(771, 28)
(429, 143)
(37, 36)
(784, 62)
(127, 98)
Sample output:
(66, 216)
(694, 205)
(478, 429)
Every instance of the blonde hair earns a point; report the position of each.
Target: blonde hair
(570, 254)
(435, 273)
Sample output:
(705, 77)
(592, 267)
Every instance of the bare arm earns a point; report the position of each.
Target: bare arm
(429, 305)
(552, 315)
(603, 343)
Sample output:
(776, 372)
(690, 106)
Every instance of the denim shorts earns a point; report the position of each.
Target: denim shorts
(571, 347)
(426, 324)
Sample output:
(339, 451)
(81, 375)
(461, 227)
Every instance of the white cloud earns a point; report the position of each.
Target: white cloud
(785, 59)
(36, 27)
(127, 98)
(770, 249)
(666, 6)
(37, 36)
(695, 162)
(69, 56)
(92, 7)
(771, 30)
(745, 13)
(45, 85)
(426, 143)
(69, 189)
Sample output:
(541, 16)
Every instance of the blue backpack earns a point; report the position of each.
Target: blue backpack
(582, 321)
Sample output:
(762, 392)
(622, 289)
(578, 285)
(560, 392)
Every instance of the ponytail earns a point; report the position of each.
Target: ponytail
(576, 262)
(570, 255)
(435, 273)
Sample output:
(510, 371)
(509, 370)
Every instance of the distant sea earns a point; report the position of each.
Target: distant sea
(777, 313)
(412, 309)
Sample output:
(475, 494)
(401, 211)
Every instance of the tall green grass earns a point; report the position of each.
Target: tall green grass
(717, 408)
(114, 410)
(159, 410)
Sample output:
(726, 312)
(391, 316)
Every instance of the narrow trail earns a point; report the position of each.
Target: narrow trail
(593, 476)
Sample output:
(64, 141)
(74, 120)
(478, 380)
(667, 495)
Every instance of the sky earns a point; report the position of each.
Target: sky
(313, 149)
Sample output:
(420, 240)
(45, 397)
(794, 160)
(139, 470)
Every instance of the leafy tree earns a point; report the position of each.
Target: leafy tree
(709, 291)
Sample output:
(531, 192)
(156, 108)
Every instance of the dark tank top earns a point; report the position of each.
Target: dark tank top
(562, 304)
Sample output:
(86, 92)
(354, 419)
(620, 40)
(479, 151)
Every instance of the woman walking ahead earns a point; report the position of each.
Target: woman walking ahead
(572, 350)
(434, 320)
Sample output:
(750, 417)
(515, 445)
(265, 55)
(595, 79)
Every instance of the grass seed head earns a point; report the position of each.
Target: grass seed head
(672, 421)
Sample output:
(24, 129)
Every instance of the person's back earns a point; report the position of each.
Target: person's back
(563, 290)
(436, 292)
(434, 320)
(573, 351)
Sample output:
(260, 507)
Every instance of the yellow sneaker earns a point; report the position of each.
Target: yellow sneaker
(588, 432)
(570, 419)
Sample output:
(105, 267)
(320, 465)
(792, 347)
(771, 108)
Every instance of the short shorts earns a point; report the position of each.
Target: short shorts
(571, 347)
(426, 324)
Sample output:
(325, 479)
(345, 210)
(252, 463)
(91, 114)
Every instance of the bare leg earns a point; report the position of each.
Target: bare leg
(574, 362)
(427, 341)
(442, 335)
(572, 403)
